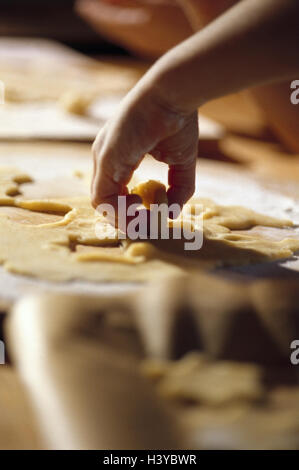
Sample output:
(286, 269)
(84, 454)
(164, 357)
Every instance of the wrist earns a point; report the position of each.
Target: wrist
(174, 85)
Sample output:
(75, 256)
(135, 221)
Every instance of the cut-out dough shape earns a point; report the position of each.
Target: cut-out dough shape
(70, 249)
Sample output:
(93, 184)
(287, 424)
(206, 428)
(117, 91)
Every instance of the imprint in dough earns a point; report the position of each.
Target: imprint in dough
(68, 248)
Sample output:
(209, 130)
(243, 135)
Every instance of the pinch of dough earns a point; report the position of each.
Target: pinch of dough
(151, 192)
(70, 249)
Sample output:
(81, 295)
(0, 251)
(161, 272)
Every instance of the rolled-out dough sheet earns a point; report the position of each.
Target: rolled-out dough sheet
(68, 248)
(38, 77)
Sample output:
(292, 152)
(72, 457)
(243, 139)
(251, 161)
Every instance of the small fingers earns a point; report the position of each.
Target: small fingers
(103, 186)
(180, 152)
(114, 164)
(108, 183)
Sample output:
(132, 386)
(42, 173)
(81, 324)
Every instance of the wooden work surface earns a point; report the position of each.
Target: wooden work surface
(267, 175)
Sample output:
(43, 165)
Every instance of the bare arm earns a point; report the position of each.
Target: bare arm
(254, 42)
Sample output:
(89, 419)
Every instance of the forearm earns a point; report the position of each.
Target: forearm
(254, 42)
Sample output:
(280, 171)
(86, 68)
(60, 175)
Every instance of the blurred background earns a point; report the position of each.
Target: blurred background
(99, 26)
(54, 19)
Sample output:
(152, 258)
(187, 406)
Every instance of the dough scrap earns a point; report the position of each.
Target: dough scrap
(195, 379)
(69, 248)
(75, 103)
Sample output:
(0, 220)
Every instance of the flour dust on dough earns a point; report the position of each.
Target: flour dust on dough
(56, 240)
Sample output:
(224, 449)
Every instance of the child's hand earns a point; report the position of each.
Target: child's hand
(145, 124)
(239, 49)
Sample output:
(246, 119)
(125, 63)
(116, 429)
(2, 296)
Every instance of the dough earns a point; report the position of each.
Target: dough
(151, 192)
(75, 103)
(225, 404)
(195, 379)
(68, 248)
(44, 81)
